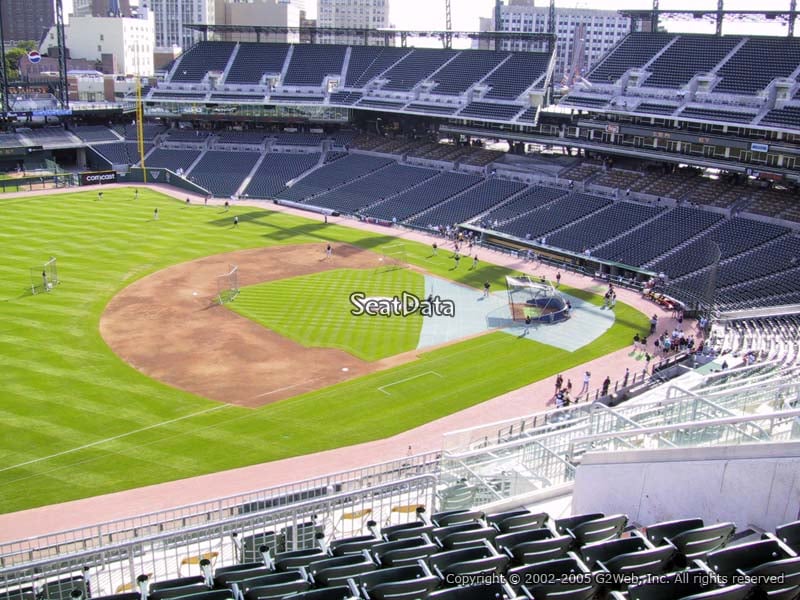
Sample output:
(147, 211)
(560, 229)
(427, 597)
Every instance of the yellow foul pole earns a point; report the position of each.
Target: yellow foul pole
(140, 125)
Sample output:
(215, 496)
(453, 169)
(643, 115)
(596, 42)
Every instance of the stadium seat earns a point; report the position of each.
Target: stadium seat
(690, 541)
(403, 551)
(398, 583)
(353, 545)
(585, 529)
(517, 520)
(298, 558)
(789, 534)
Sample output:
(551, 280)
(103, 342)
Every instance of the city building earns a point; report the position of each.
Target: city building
(27, 19)
(583, 35)
(172, 15)
(261, 13)
(121, 45)
(366, 14)
(101, 8)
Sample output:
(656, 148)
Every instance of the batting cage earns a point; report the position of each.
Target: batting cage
(538, 300)
(228, 285)
(45, 277)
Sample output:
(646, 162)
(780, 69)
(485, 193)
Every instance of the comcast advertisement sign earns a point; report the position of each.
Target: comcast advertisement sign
(96, 177)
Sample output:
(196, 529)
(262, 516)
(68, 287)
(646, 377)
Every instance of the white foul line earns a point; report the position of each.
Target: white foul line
(111, 439)
(382, 388)
(287, 387)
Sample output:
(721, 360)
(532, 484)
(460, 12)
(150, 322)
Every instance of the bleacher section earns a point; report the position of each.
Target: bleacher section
(221, 173)
(604, 225)
(516, 75)
(163, 158)
(333, 175)
(367, 62)
(471, 203)
(253, 61)
(733, 237)
(531, 199)
(658, 236)
(414, 68)
(422, 197)
(276, 170)
(748, 73)
(554, 215)
(495, 112)
(465, 69)
(94, 133)
(310, 64)
(687, 56)
(121, 153)
(636, 50)
(373, 188)
(149, 131)
(788, 116)
(200, 59)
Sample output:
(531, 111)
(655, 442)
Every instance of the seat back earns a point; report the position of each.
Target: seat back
(471, 537)
(509, 540)
(789, 534)
(277, 590)
(406, 530)
(453, 517)
(726, 561)
(652, 561)
(333, 576)
(731, 592)
(442, 560)
(298, 558)
(779, 579)
(267, 580)
(696, 543)
(598, 530)
(353, 545)
(603, 551)
(522, 522)
(533, 552)
(408, 589)
(571, 522)
(230, 577)
(405, 556)
(671, 586)
(469, 592)
(563, 591)
(668, 529)
(330, 593)
(479, 566)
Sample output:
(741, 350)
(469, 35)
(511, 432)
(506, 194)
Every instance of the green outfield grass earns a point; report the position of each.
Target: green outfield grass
(77, 421)
(315, 310)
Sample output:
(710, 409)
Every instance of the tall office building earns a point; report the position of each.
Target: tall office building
(172, 15)
(260, 13)
(583, 35)
(27, 19)
(366, 14)
(102, 8)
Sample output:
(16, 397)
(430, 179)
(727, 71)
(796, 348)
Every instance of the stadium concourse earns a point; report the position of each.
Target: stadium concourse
(524, 401)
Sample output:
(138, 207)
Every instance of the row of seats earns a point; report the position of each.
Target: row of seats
(520, 554)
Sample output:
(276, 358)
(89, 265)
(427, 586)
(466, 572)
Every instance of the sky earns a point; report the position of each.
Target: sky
(430, 14)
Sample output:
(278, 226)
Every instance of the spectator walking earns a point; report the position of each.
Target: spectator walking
(587, 377)
(606, 385)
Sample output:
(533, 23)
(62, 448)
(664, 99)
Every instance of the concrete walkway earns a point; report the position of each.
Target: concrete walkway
(531, 398)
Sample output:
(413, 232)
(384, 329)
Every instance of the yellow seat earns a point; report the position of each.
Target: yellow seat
(347, 521)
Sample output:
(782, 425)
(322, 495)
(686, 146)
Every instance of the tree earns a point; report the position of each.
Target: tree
(14, 55)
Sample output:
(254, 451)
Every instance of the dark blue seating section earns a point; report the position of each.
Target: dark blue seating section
(422, 197)
(295, 99)
(149, 131)
(201, 58)
(221, 173)
(747, 71)
(177, 96)
(498, 112)
(787, 117)
(715, 114)
(516, 75)
(187, 135)
(297, 139)
(552, 216)
(415, 67)
(689, 55)
(387, 104)
(94, 133)
(333, 175)
(534, 197)
(253, 61)
(471, 203)
(655, 109)
(437, 109)
(238, 97)
(604, 225)
(658, 236)
(275, 170)
(634, 51)
(243, 137)
(465, 69)
(122, 153)
(345, 97)
(528, 115)
(589, 101)
(733, 237)
(367, 62)
(373, 188)
(311, 63)
(173, 160)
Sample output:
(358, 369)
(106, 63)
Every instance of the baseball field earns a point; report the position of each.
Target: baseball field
(127, 373)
